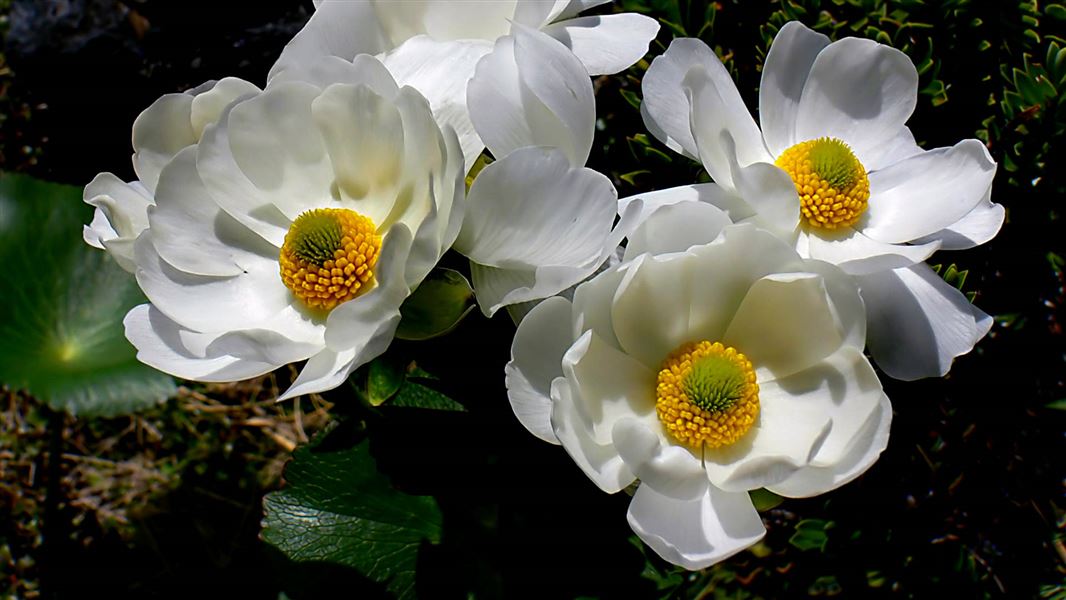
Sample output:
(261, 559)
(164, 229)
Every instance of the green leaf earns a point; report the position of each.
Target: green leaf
(416, 395)
(437, 306)
(811, 534)
(764, 499)
(61, 318)
(336, 507)
(384, 378)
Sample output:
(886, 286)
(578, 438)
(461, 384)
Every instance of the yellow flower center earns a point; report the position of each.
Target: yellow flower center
(706, 395)
(830, 180)
(328, 256)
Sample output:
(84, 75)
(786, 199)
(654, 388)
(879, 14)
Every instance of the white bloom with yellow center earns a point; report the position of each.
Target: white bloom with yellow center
(172, 122)
(704, 366)
(294, 230)
(835, 171)
(538, 221)
(435, 45)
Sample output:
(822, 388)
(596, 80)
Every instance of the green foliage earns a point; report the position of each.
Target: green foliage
(441, 301)
(400, 383)
(61, 317)
(337, 508)
(811, 534)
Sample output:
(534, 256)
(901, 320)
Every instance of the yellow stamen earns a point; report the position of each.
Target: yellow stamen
(328, 256)
(830, 180)
(706, 395)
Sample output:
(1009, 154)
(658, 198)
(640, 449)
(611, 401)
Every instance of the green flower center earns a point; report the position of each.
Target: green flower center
(715, 383)
(833, 161)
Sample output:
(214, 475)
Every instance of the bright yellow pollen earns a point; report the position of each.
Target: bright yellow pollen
(328, 256)
(830, 180)
(706, 395)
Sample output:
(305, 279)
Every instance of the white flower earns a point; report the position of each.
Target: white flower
(294, 230)
(171, 123)
(434, 45)
(537, 222)
(704, 369)
(835, 171)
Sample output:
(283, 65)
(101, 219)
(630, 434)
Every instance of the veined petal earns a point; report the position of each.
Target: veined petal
(676, 228)
(337, 28)
(159, 345)
(784, 74)
(978, 226)
(857, 254)
(328, 70)
(666, 108)
(533, 208)
(918, 323)
(440, 71)
(600, 462)
(696, 533)
(860, 92)
(207, 106)
(723, 128)
(866, 447)
(928, 192)
(778, 310)
(606, 44)
(324, 371)
(711, 193)
(543, 337)
(192, 233)
(667, 468)
(531, 91)
(159, 133)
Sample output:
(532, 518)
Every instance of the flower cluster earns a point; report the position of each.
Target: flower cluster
(698, 342)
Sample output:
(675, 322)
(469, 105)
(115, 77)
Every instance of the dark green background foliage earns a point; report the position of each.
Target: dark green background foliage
(966, 501)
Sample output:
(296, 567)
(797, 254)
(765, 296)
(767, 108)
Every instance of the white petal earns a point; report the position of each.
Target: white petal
(206, 303)
(208, 105)
(978, 226)
(857, 254)
(531, 91)
(542, 339)
(159, 345)
(536, 13)
(231, 189)
(918, 323)
(159, 133)
(860, 92)
(606, 44)
(867, 446)
(497, 288)
(324, 371)
(573, 7)
(724, 130)
(926, 193)
(768, 190)
(600, 462)
(446, 21)
(665, 107)
(676, 228)
(607, 386)
(784, 74)
(845, 388)
(328, 70)
(664, 302)
(592, 305)
(121, 215)
(900, 147)
(695, 534)
(98, 230)
(791, 428)
(364, 136)
(337, 28)
(710, 193)
(532, 209)
(662, 465)
(192, 233)
(786, 323)
(440, 71)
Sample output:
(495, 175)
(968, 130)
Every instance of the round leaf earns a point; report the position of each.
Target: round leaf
(61, 317)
